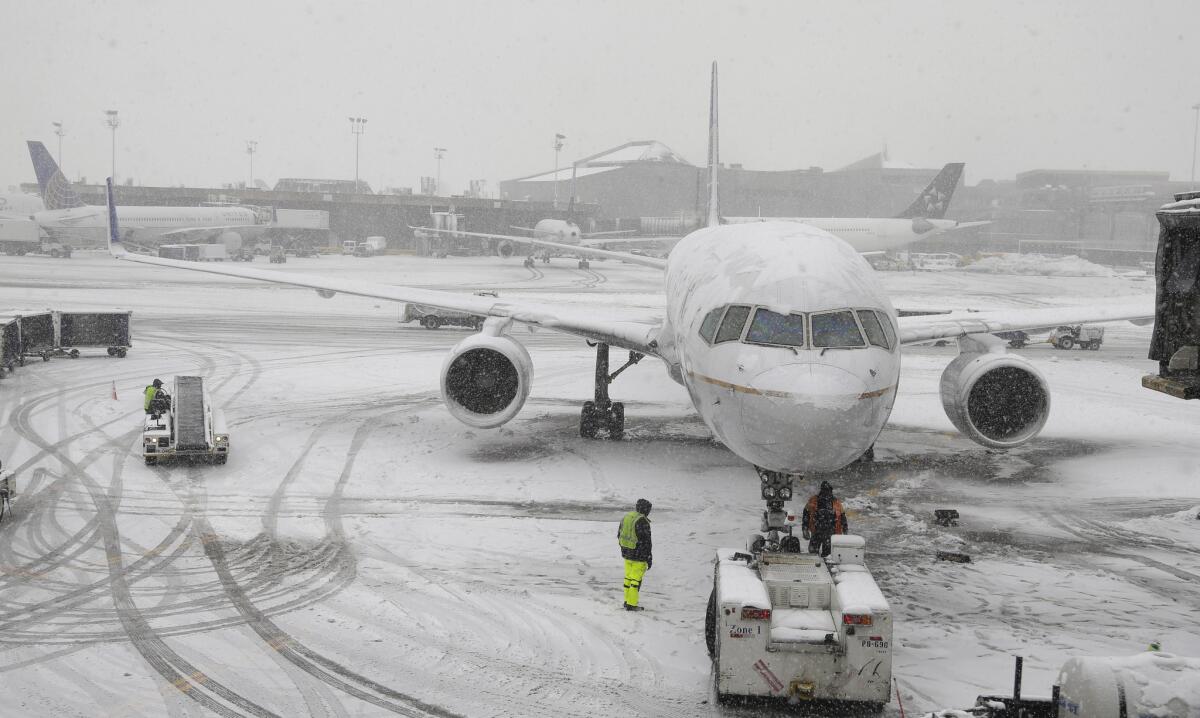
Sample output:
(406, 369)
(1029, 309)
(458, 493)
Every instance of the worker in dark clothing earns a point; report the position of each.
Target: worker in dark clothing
(157, 401)
(634, 537)
(823, 517)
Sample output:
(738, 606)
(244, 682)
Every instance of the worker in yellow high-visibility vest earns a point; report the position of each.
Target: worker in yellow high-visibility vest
(634, 537)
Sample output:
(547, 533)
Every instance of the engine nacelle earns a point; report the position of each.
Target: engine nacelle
(486, 380)
(504, 248)
(999, 400)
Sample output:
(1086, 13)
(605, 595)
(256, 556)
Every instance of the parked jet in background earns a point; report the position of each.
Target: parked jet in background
(68, 220)
(924, 218)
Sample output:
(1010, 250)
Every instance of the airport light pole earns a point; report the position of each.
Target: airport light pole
(558, 145)
(1195, 135)
(438, 153)
(357, 125)
(114, 122)
(251, 148)
(58, 130)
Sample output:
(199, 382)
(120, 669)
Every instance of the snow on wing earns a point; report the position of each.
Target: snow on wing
(917, 329)
(637, 335)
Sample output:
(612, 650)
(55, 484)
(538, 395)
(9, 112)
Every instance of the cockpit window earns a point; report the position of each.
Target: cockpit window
(771, 327)
(709, 326)
(888, 329)
(735, 319)
(836, 329)
(874, 330)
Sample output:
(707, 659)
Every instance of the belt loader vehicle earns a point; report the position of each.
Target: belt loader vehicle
(185, 424)
(795, 626)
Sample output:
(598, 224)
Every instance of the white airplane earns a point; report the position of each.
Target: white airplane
(782, 334)
(564, 232)
(923, 219)
(68, 220)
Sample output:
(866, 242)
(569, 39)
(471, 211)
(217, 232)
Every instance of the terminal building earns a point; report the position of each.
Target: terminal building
(646, 186)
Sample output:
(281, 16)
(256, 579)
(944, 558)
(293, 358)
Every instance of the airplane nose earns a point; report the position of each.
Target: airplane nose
(809, 417)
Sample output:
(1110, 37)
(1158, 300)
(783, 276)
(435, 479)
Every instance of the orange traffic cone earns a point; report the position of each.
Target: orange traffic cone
(114, 390)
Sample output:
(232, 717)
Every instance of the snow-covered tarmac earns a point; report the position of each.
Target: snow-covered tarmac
(362, 553)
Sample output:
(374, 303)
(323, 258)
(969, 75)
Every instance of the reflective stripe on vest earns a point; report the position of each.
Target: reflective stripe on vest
(628, 535)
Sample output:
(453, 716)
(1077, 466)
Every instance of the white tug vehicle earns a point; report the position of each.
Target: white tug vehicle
(185, 424)
(792, 625)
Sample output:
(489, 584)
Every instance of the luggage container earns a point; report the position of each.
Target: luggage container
(37, 335)
(110, 330)
(10, 344)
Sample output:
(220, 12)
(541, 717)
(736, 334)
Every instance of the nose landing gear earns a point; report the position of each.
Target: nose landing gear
(776, 490)
(603, 414)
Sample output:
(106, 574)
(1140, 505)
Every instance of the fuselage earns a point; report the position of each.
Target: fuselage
(866, 234)
(785, 341)
(89, 222)
(557, 230)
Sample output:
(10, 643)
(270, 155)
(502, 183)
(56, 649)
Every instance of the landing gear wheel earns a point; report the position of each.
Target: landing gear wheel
(616, 421)
(710, 624)
(868, 456)
(74, 354)
(588, 424)
(1066, 343)
(430, 322)
(112, 352)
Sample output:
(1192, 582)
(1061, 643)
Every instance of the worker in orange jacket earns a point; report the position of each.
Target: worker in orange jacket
(823, 517)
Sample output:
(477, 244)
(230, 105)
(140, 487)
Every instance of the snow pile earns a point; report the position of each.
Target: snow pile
(1039, 264)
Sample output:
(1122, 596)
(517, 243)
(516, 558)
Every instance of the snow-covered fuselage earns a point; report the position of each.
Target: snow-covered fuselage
(795, 409)
(89, 223)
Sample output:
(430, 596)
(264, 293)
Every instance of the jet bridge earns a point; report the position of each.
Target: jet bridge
(1176, 340)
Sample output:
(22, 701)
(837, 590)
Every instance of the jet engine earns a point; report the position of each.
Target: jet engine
(504, 248)
(999, 400)
(486, 380)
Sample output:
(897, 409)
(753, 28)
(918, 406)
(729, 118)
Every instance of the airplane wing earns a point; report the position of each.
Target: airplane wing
(570, 248)
(592, 235)
(924, 328)
(589, 242)
(640, 336)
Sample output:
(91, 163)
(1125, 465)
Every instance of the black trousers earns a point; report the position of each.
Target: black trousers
(819, 543)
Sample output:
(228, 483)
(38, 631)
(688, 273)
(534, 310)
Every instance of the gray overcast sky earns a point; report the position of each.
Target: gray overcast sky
(1005, 86)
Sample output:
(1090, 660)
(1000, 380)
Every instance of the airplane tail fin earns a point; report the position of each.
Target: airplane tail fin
(114, 231)
(714, 155)
(932, 203)
(57, 192)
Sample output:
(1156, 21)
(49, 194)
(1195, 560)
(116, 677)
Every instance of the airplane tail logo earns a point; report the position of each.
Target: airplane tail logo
(57, 192)
(932, 203)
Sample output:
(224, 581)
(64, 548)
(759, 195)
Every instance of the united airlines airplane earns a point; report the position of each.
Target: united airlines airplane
(782, 334)
(67, 219)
